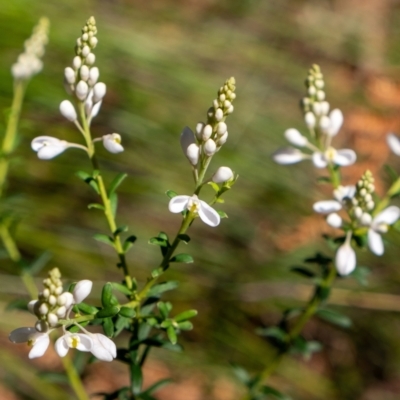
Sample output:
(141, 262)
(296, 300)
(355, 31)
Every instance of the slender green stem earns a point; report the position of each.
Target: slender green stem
(394, 188)
(108, 212)
(74, 378)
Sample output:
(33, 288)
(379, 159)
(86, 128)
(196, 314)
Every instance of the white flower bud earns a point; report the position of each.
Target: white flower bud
(82, 290)
(52, 319)
(324, 122)
(59, 290)
(199, 130)
(81, 90)
(90, 59)
(319, 84)
(69, 75)
(230, 109)
(93, 76)
(312, 91)
(222, 140)
(93, 42)
(85, 51)
(46, 293)
(317, 109)
(41, 326)
(215, 104)
(310, 120)
(334, 220)
(85, 37)
(320, 95)
(31, 306)
(345, 259)
(43, 309)
(223, 174)
(77, 62)
(99, 91)
(61, 312)
(366, 219)
(219, 114)
(209, 147)
(295, 137)
(221, 128)
(370, 205)
(324, 107)
(84, 72)
(68, 111)
(227, 104)
(207, 132)
(193, 153)
(358, 212)
(222, 97)
(52, 300)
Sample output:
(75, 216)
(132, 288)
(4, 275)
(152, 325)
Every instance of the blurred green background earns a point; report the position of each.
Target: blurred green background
(163, 62)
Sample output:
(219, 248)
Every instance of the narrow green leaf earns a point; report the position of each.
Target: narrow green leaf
(104, 238)
(113, 203)
(222, 214)
(185, 315)
(182, 258)
(90, 180)
(324, 179)
(214, 186)
(159, 242)
(171, 193)
(121, 288)
(185, 326)
(127, 312)
(96, 205)
(18, 304)
(116, 182)
(86, 308)
(108, 312)
(172, 334)
(158, 385)
(303, 271)
(106, 295)
(108, 327)
(120, 229)
(164, 308)
(185, 238)
(273, 332)
(156, 290)
(334, 318)
(136, 378)
(129, 243)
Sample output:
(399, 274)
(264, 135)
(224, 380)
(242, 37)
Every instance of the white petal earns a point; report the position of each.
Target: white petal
(288, 155)
(375, 242)
(31, 306)
(345, 259)
(187, 138)
(22, 335)
(319, 160)
(47, 152)
(208, 215)
(69, 299)
(95, 109)
(345, 157)
(223, 174)
(344, 192)
(388, 216)
(103, 348)
(82, 290)
(112, 143)
(40, 346)
(336, 118)
(327, 206)
(394, 143)
(61, 346)
(178, 203)
(334, 220)
(38, 142)
(85, 343)
(295, 137)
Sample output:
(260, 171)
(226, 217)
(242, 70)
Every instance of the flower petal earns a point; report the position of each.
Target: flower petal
(334, 220)
(319, 160)
(293, 136)
(40, 346)
(103, 348)
(85, 343)
(394, 143)
(82, 290)
(375, 242)
(208, 215)
(178, 203)
(345, 157)
(388, 216)
(22, 335)
(336, 118)
(345, 259)
(112, 143)
(327, 206)
(288, 155)
(187, 138)
(38, 142)
(344, 192)
(61, 346)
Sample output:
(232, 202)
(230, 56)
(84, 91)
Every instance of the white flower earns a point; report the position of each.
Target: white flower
(293, 136)
(103, 348)
(288, 155)
(394, 143)
(82, 290)
(341, 194)
(192, 203)
(38, 340)
(48, 147)
(112, 142)
(379, 225)
(80, 341)
(336, 121)
(223, 174)
(343, 157)
(345, 259)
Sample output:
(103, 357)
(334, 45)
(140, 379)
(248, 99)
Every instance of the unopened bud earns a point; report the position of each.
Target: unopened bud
(199, 130)
(52, 319)
(82, 90)
(77, 62)
(99, 91)
(230, 109)
(43, 309)
(366, 219)
(222, 140)
(90, 59)
(85, 51)
(209, 147)
(93, 76)
(221, 128)
(84, 72)
(68, 110)
(93, 42)
(219, 114)
(310, 120)
(193, 153)
(223, 174)
(61, 312)
(320, 95)
(324, 122)
(207, 132)
(52, 300)
(69, 74)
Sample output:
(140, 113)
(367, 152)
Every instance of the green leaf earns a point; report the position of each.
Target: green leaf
(334, 318)
(107, 295)
(273, 332)
(214, 186)
(303, 271)
(171, 194)
(113, 203)
(323, 292)
(96, 205)
(186, 315)
(127, 312)
(172, 334)
(86, 308)
(121, 324)
(185, 326)
(121, 288)
(268, 390)
(136, 378)
(163, 235)
(108, 327)
(120, 229)
(185, 238)
(116, 182)
(319, 259)
(90, 180)
(324, 179)
(159, 242)
(391, 172)
(242, 375)
(156, 290)
(17, 304)
(182, 258)
(104, 238)
(158, 385)
(222, 214)
(108, 312)
(164, 308)
(129, 243)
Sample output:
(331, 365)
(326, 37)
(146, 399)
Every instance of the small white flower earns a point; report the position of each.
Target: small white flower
(103, 348)
(223, 174)
(79, 341)
(207, 132)
(82, 290)
(380, 224)
(336, 122)
(48, 147)
(341, 194)
(112, 142)
(38, 340)
(343, 157)
(345, 259)
(288, 155)
(192, 203)
(394, 143)
(293, 136)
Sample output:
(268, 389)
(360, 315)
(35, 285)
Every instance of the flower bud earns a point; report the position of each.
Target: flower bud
(99, 91)
(222, 140)
(345, 259)
(324, 107)
(223, 174)
(187, 138)
(199, 130)
(52, 300)
(84, 72)
(46, 293)
(41, 326)
(69, 75)
(43, 309)
(317, 109)
(90, 59)
(221, 128)
(320, 95)
(112, 143)
(82, 290)
(77, 62)
(230, 109)
(207, 132)
(334, 220)
(193, 153)
(310, 120)
(81, 90)
(324, 122)
(209, 147)
(93, 76)
(31, 306)
(366, 219)
(219, 114)
(93, 42)
(52, 319)
(61, 312)
(68, 111)
(85, 51)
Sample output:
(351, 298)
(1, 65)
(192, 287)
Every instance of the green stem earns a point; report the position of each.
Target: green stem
(74, 378)
(335, 176)
(108, 212)
(394, 188)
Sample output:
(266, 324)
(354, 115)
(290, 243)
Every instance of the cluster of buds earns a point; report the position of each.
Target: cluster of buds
(323, 126)
(53, 305)
(29, 63)
(363, 202)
